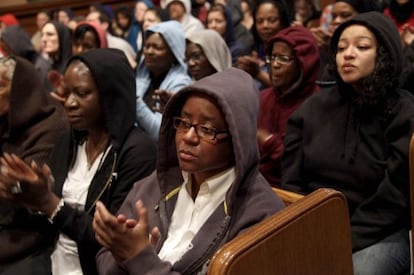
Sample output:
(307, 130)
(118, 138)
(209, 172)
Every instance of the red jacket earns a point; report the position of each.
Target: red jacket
(275, 109)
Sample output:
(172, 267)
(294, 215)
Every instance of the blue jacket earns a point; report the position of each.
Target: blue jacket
(176, 78)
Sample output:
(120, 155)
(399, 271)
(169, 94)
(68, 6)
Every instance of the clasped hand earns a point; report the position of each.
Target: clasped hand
(35, 183)
(124, 237)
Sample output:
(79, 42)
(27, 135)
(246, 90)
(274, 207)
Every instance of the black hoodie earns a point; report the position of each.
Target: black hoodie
(365, 156)
(30, 130)
(131, 157)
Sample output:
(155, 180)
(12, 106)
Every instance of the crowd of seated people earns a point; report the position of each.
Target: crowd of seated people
(142, 138)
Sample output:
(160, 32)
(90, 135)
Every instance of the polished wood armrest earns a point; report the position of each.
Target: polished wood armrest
(310, 236)
(286, 196)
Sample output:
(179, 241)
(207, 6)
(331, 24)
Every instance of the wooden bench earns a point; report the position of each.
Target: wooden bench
(411, 168)
(310, 236)
(286, 196)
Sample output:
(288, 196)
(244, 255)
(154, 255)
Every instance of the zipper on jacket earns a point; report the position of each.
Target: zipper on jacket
(108, 183)
(209, 253)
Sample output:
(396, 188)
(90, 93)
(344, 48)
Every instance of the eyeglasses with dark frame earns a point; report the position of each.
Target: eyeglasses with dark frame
(203, 131)
(280, 58)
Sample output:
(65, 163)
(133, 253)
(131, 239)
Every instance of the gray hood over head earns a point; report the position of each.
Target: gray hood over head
(237, 96)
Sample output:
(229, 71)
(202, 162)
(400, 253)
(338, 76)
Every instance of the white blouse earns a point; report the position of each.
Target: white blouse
(65, 258)
(189, 215)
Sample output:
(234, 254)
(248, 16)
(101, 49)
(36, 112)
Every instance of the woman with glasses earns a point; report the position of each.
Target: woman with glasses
(206, 190)
(270, 16)
(293, 61)
(354, 137)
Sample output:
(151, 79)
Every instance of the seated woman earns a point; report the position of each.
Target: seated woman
(162, 66)
(57, 44)
(99, 159)
(88, 35)
(15, 41)
(219, 19)
(206, 53)
(354, 137)
(293, 61)
(151, 17)
(270, 16)
(30, 123)
(206, 190)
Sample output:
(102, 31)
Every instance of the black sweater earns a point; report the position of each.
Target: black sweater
(328, 144)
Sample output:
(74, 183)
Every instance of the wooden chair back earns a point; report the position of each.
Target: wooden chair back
(411, 168)
(310, 236)
(287, 197)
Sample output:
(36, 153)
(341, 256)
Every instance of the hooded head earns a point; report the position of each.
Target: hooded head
(18, 41)
(387, 36)
(173, 34)
(115, 80)
(236, 95)
(97, 28)
(65, 45)
(305, 50)
(214, 48)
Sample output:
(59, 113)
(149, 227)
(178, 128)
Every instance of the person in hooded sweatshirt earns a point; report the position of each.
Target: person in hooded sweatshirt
(161, 67)
(88, 35)
(354, 137)
(30, 123)
(206, 190)
(56, 40)
(293, 60)
(99, 158)
(342, 10)
(206, 53)
(15, 41)
(180, 10)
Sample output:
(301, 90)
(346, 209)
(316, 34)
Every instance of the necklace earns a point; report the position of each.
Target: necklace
(92, 156)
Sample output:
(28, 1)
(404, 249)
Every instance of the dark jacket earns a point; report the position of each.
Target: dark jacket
(19, 42)
(65, 47)
(361, 151)
(29, 130)
(131, 157)
(276, 108)
(248, 201)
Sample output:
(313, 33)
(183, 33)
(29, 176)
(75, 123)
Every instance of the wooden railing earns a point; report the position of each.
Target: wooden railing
(26, 13)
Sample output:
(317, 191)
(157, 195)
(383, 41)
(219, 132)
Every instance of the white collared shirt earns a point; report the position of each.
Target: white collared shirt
(65, 257)
(189, 215)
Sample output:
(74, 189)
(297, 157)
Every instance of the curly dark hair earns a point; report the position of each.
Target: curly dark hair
(376, 91)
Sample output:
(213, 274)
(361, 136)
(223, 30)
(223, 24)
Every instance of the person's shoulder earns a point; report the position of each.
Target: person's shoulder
(322, 98)
(405, 103)
(139, 136)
